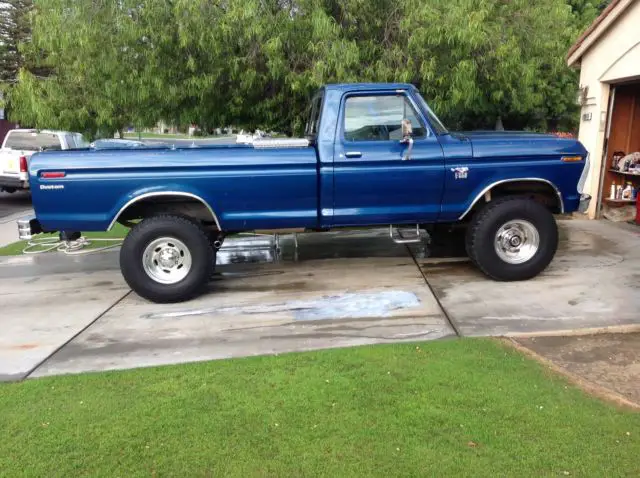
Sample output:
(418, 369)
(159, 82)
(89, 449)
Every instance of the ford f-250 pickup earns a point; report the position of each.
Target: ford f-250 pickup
(374, 154)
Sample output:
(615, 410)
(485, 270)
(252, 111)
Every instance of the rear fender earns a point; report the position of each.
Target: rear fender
(137, 196)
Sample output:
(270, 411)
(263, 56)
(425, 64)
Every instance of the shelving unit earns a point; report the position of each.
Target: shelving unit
(623, 137)
(623, 177)
(625, 173)
(619, 202)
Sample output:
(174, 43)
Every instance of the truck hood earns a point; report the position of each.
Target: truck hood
(523, 144)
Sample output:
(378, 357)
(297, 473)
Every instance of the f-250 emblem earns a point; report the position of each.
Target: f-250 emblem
(460, 172)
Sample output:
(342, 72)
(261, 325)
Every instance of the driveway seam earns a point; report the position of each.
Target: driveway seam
(449, 320)
(52, 354)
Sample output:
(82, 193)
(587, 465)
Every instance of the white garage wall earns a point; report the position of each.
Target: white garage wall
(612, 58)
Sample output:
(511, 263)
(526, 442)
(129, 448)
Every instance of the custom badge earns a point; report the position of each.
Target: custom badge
(460, 172)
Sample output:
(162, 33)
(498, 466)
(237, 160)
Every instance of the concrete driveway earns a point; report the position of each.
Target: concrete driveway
(11, 204)
(68, 315)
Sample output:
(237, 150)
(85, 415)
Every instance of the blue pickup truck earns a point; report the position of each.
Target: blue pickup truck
(373, 155)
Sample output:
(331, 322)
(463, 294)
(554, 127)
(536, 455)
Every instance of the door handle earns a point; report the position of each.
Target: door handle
(353, 154)
(409, 142)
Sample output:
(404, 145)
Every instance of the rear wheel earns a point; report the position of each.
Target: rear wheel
(167, 259)
(512, 239)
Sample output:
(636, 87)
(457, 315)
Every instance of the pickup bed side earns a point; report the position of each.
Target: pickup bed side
(244, 188)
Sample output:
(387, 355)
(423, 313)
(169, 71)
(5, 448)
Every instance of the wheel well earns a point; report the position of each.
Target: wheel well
(540, 191)
(176, 204)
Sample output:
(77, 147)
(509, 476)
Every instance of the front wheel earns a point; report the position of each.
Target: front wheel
(167, 259)
(512, 239)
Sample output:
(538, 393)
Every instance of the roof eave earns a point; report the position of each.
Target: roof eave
(600, 25)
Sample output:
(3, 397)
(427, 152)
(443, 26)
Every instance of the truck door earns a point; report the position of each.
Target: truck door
(375, 180)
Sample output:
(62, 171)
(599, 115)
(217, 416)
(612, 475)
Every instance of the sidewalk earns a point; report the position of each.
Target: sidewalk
(607, 365)
(9, 228)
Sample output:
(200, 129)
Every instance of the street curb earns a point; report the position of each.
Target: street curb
(613, 329)
(585, 385)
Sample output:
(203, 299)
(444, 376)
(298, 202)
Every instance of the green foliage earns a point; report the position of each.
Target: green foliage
(255, 63)
(14, 29)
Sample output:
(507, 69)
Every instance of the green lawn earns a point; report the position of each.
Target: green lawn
(447, 408)
(118, 231)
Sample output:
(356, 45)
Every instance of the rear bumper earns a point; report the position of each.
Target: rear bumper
(13, 182)
(28, 226)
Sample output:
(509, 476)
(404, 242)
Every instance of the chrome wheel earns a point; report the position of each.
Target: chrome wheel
(517, 241)
(167, 260)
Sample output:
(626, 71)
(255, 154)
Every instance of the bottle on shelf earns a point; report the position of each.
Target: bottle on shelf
(612, 193)
(627, 192)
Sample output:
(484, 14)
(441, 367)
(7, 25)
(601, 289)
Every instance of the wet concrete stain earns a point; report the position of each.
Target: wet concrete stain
(105, 283)
(24, 347)
(279, 287)
(109, 348)
(324, 335)
(373, 304)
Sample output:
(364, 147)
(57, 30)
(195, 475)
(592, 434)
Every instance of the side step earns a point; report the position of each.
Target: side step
(406, 236)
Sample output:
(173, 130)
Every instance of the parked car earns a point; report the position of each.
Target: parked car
(20, 144)
(249, 138)
(374, 154)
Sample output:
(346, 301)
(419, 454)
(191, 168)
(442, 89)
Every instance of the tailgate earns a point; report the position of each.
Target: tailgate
(10, 162)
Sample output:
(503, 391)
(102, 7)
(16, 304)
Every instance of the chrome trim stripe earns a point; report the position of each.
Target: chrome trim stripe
(585, 172)
(492, 185)
(165, 193)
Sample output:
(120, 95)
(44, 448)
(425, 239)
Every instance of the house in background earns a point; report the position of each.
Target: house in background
(608, 56)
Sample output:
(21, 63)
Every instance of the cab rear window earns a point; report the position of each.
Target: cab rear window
(32, 141)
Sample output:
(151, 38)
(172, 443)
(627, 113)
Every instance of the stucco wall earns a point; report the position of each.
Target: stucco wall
(611, 59)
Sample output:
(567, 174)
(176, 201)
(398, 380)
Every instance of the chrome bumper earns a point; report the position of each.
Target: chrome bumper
(27, 227)
(585, 200)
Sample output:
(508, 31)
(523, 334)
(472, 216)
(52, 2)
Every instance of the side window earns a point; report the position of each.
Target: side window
(81, 142)
(379, 118)
(70, 140)
(311, 129)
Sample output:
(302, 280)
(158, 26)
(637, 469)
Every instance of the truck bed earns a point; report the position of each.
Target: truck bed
(247, 187)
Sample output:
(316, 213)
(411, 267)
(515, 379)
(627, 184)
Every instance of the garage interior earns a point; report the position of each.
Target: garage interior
(620, 182)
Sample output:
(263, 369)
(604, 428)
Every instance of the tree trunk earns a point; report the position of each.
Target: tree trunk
(499, 125)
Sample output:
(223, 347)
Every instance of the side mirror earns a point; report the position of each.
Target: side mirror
(407, 129)
(407, 132)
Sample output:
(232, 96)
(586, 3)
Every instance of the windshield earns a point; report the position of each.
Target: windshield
(436, 124)
(32, 141)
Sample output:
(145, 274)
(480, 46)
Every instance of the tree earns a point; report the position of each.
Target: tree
(102, 78)
(14, 29)
(255, 63)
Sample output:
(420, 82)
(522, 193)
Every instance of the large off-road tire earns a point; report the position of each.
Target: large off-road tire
(167, 258)
(512, 239)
